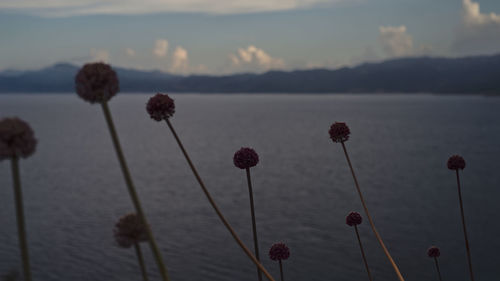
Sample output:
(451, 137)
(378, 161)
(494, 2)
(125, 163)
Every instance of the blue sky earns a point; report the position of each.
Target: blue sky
(228, 36)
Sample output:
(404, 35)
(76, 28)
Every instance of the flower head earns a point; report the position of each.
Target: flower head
(339, 132)
(456, 162)
(96, 82)
(353, 218)
(160, 107)
(16, 138)
(433, 252)
(279, 251)
(245, 158)
(130, 230)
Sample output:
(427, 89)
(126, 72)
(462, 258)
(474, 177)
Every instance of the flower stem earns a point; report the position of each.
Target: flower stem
(141, 261)
(377, 235)
(212, 202)
(21, 228)
(363, 253)
(437, 267)
(281, 271)
(464, 227)
(254, 225)
(132, 192)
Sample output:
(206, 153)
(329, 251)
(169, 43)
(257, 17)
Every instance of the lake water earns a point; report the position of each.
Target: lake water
(74, 191)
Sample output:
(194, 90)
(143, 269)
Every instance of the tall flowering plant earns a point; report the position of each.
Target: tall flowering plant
(17, 140)
(161, 107)
(98, 83)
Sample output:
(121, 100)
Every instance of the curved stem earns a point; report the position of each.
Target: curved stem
(437, 267)
(464, 227)
(21, 228)
(254, 225)
(212, 202)
(132, 192)
(377, 235)
(141, 261)
(363, 253)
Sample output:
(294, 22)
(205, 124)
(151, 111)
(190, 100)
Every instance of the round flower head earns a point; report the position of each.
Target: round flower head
(130, 230)
(245, 158)
(339, 132)
(160, 107)
(433, 252)
(96, 82)
(16, 138)
(353, 218)
(279, 251)
(456, 162)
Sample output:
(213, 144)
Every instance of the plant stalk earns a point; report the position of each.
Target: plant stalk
(21, 227)
(214, 205)
(363, 254)
(464, 227)
(437, 267)
(132, 191)
(281, 271)
(377, 235)
(254, 225)
(141, 261)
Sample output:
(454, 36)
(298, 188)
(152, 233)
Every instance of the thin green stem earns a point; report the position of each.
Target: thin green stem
(214, 205)
(254, 225)
(363, 253)
(377, 235)
(281, 271)
(132, 191)
(437, 267)
(464, 227)
(141, 261)
(21, 228)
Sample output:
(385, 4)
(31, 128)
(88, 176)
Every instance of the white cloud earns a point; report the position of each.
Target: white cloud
(255, 59)
(130, 52)
(161, 48)
(180, 61)
(472, 14)
(479, 32)
(85, 7)
(99, 55)
(395, 41)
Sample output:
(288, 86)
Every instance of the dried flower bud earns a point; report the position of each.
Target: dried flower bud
(96, 82)
(130, 230)
(339, 132)
(353, 218)
(16, 138)
(245, 158)
(160, 107)
(456, 162)
(433, 252)
(279, 251)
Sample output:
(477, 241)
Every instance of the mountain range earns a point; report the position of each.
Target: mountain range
(478, 74)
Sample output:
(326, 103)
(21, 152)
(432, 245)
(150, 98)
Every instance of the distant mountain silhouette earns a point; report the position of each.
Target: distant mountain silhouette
(479, 74)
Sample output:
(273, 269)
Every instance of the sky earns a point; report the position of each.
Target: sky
(220, 37)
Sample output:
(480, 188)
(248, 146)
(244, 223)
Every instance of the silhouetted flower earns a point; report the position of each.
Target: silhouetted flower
(245, 158)
(279, 251)
(339, 132)
(130, 230)
(433, 252)
(456, 162)
(160, 107)
(96, 82)
(16, 138)
(353, 218)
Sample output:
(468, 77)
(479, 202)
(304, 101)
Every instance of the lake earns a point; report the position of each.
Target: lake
(74, 190)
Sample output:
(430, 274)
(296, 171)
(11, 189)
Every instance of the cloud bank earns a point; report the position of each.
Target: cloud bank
(254, 59)
(395, 41)
(479, 33)
(88, 7)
